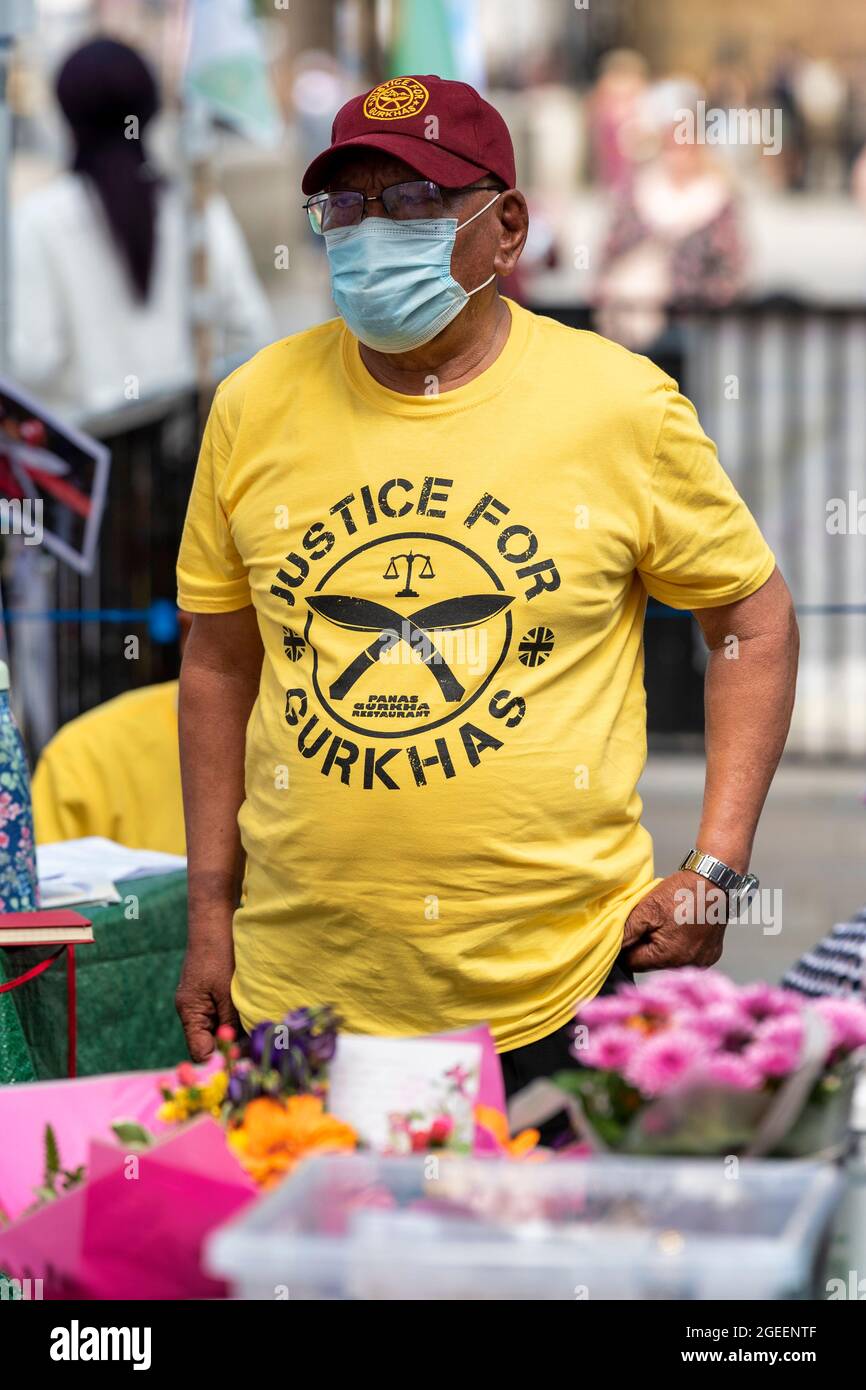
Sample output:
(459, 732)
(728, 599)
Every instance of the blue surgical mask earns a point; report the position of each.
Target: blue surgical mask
(392, 281)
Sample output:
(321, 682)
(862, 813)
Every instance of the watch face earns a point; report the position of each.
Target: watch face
(746, 891)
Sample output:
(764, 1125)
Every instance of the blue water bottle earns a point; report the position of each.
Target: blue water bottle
(19, 888)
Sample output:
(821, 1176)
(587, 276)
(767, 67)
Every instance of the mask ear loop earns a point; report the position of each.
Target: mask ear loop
(477, 214)
(489, 281)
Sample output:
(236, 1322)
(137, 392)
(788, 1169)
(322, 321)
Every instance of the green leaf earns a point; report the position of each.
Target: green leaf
(52, 1156)
(576, 1083)
(128, 1132)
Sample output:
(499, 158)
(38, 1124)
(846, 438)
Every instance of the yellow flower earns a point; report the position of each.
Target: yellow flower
(275, 1135)
(208, 1100)
(213, 1093)
(172, 1112)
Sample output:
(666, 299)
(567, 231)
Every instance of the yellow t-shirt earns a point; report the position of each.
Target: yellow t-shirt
(441, 819)
(115, 771)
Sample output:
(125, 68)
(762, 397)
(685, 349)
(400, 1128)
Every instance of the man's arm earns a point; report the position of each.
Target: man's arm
(219, 682)
(748, 699)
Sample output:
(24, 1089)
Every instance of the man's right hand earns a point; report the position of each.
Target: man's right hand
(203, 999)
(219, 680)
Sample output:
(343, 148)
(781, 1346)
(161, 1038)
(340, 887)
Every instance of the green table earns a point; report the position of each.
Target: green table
(126, 982)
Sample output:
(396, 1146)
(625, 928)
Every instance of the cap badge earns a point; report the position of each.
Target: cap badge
(396, 99)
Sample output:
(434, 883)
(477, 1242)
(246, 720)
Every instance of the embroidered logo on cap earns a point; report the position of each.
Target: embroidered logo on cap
(396, 99)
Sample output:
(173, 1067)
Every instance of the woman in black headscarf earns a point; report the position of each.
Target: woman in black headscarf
(108, 95)
(101, 256)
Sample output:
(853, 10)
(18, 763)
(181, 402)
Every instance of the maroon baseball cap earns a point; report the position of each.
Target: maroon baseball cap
(443, 129)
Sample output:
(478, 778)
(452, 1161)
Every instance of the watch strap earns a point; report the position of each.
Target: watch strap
(709, 867)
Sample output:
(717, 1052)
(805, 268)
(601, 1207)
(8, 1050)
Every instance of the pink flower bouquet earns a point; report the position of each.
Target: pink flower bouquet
(692, 1063)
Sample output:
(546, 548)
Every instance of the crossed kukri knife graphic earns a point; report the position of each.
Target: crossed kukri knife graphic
(364, 615)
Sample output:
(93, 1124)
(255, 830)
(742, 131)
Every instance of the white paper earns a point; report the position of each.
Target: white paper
(73, 892)
(86, 870)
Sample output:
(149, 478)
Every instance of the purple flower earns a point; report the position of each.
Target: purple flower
(239, 1087)
(298, 1020)
(321, 1048)
(666, 1060)
(261, 1045)
(289, 1057)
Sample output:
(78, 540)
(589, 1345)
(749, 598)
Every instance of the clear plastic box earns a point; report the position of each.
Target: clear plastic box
(365, 1227)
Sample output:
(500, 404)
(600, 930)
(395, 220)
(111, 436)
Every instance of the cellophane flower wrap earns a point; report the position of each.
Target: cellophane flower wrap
(690, 1063)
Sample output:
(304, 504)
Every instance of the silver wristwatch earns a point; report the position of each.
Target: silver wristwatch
(740, 888)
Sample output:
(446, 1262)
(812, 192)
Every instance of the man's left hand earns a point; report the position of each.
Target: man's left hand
(656, 937)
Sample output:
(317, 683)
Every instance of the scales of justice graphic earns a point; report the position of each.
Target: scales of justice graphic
(392, 572)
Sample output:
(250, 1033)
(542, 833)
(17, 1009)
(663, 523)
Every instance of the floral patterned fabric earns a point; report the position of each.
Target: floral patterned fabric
(18, 887)
(706, 264)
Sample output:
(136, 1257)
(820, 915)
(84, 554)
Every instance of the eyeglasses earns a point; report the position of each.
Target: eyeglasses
(403, 202)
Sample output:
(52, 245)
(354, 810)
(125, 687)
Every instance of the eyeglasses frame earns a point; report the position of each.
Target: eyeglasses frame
(379, 197)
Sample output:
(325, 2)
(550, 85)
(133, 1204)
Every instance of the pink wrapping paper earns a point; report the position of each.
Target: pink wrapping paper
(135, 1230)
(78, 1111)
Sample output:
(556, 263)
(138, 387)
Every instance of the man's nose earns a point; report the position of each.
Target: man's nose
(374, 207)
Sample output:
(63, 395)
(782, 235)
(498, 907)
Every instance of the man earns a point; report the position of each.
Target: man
(114, 771)
(418, 549)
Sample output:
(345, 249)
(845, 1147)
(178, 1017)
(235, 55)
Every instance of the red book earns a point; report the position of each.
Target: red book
(58, 927)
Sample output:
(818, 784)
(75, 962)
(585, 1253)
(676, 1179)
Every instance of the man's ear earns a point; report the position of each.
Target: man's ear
(513, 229)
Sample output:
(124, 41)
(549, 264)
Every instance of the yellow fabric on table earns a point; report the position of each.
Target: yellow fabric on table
(442, 824)
(115, 771)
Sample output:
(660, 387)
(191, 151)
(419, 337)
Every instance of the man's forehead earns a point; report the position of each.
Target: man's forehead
(366, 168)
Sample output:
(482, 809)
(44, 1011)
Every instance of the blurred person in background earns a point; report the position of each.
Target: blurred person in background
(674, 240)
(101, 301)
(821, 96)
(613, 109)
(858, 179)
(781, 94)
(115, 771)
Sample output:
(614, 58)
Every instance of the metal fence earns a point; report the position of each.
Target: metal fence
(782, 390)
(795, 445)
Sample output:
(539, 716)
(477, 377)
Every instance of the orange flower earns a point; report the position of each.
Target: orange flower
(275, 1135)
(521, 1146)
(640, 1023)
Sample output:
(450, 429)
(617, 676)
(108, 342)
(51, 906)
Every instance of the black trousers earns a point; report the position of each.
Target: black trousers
(546, 1056)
